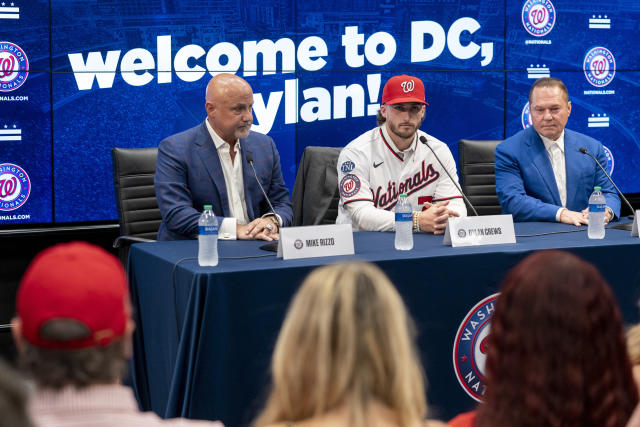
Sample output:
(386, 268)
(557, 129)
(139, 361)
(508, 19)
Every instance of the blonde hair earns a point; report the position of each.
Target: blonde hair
(633, 344)
(346, 339)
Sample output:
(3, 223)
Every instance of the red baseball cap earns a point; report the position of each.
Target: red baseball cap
(399, 89)
(76, 281)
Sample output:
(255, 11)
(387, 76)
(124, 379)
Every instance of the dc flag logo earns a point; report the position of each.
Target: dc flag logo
(525, 117)
(610, 163)
(599, 66)
(408, 86)
(14, 66)
(470, 347)
(538, 17)
(15, 187)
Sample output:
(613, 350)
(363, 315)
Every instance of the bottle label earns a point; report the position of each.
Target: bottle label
(597, 207)
(207, 230)
(404, 216)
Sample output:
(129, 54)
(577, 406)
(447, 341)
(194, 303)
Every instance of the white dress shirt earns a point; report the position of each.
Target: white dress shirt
(555, 150)
(232, 172)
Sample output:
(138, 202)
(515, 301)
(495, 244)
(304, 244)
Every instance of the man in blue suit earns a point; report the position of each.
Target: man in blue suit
(541, 175)
(209, 165)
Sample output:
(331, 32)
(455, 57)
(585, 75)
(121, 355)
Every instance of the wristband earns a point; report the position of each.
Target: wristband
(416, 227)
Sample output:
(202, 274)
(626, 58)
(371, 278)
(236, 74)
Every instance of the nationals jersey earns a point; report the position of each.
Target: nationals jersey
(372, 173)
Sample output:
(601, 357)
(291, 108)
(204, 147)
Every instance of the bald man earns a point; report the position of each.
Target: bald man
(209, 165)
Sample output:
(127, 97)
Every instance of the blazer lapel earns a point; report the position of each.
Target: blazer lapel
(541, 162)
(209, 155)
(572, 158)
(248, 178)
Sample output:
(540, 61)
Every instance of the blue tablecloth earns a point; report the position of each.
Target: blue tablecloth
(205, 334)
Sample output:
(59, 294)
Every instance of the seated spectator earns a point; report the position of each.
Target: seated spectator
(345, 355)
(633, 348)
(556, 352)
(13, 398)
(73, 332)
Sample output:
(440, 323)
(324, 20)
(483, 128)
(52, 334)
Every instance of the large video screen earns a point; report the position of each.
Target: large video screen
(78, 77)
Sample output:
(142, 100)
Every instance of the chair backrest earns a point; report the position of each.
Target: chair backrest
(133, 172)
(315, 194)
(478, 176)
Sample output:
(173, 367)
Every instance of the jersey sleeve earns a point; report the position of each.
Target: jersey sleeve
(356, 197)
(445, 189)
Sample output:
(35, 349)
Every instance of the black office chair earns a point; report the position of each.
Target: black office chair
(478, 176)
(138, 212)
(315, 194)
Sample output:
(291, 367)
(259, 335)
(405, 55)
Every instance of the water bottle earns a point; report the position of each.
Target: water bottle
(404, 224)
(597, 205)
(208, 238)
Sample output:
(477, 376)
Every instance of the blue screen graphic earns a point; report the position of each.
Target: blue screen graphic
(130, 73)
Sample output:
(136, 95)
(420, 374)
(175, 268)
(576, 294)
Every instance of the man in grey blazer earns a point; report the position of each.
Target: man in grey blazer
(209, 165)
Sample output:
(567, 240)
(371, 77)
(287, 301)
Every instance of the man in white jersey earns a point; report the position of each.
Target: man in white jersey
(379, 165)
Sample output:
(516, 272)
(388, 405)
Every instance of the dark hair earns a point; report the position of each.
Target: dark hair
(13, 398)
(549, 82)
(380, 118)
(79, 368)
(556, 352)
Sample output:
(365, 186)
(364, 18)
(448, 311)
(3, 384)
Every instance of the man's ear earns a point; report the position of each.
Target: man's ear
(16, 332)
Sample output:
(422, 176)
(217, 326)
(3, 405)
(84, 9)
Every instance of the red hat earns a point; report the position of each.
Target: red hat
(399, 89)
(77, 281)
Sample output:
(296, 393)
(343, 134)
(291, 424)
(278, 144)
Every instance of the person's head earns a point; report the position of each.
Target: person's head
(403, 106)
(229, 105)
(556, 351)
(347, 339)
(550, 107)
(633, 349)
(13, 398)
(73, 324)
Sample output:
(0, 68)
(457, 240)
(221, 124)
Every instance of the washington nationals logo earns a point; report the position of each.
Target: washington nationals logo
(349, 185)
(14, 66)
(298, 244)
(408, 86)
(599, 66)
(470, 347)
(525, 117)
(610, 163)
(15, 186)
(538, 17)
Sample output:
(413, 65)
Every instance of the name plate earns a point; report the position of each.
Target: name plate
(315, 241)
(479, 230)
(634, 228)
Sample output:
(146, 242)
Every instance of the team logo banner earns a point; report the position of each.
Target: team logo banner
(14, 66)
(15, 187)
(470, 347)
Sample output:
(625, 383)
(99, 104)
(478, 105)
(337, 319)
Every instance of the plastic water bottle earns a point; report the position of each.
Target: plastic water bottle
(597, 205)
(208, 238)
(404, 224)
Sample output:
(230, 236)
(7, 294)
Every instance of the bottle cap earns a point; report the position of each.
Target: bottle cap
(208, 207)
(597, 188)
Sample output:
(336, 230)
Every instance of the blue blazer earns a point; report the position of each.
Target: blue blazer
(526, 185)
(189, 175)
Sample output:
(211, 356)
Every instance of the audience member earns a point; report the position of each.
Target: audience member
(73, 332)
(556, 352)
(633, 348)
(13, 398)
(345, 355)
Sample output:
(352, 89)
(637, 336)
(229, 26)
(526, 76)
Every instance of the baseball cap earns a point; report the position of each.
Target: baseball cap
(76, 281)
(403, 88)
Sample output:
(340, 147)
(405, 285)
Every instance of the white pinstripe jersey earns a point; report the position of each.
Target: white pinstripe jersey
(372, 173)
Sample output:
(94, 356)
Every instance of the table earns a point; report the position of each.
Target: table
(205, 334)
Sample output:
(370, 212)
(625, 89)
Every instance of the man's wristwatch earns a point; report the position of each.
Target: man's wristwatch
(608, 210)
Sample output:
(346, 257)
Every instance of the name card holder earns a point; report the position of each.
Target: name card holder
(634, 228)
(315, 241)
(479, 230)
